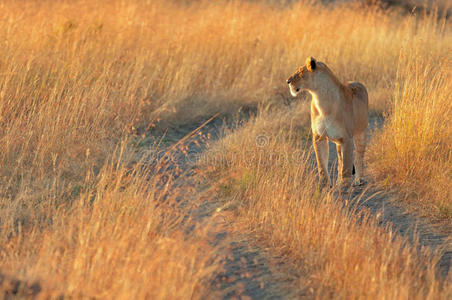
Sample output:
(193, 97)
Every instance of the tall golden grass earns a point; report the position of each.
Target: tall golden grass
(78, 77)
(413, 153)
(125, 238)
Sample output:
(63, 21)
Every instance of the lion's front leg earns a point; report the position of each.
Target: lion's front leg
(346, 167)
(321, 154)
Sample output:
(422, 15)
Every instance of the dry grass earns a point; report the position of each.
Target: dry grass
(77, 77)
(125, 238)
(413, 153)
(272, 182)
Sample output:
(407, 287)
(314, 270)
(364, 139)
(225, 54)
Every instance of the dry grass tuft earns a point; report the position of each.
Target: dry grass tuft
(413, 153)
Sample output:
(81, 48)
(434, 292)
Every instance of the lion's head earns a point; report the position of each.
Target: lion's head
(303, 78)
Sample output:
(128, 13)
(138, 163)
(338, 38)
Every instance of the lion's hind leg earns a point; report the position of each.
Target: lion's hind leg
(340, 163)
(346, 156)
(360, 148)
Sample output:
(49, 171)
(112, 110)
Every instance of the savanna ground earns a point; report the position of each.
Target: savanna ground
(98, 196)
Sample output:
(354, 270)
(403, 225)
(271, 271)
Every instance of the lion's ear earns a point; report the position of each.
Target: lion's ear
(311, 64)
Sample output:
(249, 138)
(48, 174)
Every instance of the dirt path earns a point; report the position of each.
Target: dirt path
(247, 271)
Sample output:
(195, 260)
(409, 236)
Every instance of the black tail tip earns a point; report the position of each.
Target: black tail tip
(353, 170)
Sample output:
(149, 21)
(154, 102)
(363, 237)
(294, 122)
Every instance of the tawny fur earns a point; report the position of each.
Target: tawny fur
(339, 112)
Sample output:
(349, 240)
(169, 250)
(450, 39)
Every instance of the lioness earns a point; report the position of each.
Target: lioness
(339, 112)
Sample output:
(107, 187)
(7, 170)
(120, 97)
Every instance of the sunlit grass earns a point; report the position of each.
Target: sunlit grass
(78, 78)
(413, 153)
(125, 237)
